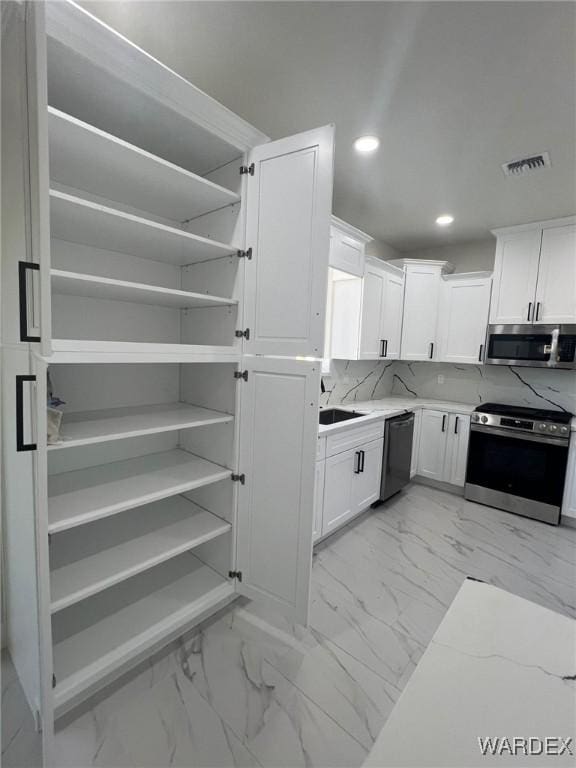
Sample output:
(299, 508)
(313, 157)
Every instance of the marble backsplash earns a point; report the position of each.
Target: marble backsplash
(351, 381)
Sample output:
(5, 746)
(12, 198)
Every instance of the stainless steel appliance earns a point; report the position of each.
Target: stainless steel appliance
(517, 459)
(397, 456)
(536, 346)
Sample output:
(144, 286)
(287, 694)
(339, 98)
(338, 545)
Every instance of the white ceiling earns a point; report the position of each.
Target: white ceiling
(453, 89)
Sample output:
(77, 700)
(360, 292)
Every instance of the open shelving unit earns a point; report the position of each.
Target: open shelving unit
(146, 295)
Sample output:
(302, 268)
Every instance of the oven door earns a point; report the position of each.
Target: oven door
(520, 472)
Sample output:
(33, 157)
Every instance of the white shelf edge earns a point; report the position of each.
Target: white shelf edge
(168, 296)
(220, 527)
(82, 351)
(78, 686)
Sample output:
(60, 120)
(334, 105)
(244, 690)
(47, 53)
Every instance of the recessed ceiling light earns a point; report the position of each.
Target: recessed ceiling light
(445, 220)
(366, 144)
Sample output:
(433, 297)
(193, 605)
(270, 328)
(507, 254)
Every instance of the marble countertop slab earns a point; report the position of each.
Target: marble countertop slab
(497, 666)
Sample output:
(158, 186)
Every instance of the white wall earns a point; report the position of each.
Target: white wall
(466, 257)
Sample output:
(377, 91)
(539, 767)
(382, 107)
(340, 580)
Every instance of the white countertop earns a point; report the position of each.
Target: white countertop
(386, 408)
(498, 665)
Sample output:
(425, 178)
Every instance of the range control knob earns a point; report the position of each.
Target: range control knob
(483, 419)
(475, 417)
(563, 430)
(542, 427)
(552, 428)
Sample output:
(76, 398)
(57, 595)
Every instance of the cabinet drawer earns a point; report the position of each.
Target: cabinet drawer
(321, 449)
(351, 438)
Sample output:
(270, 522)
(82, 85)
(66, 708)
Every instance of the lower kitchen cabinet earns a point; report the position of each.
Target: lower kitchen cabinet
(351, 483)
(443, 446)
(318, 499)
(569, 501)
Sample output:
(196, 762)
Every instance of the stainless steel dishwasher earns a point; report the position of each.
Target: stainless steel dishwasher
(397, 457)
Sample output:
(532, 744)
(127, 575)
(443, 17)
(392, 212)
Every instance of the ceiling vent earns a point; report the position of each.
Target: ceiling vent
(526, 165)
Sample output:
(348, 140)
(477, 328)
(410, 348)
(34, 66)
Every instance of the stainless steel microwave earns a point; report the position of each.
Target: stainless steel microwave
(535, 346)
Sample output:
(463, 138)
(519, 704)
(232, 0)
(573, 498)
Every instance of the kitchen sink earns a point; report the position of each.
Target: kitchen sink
(334, 415)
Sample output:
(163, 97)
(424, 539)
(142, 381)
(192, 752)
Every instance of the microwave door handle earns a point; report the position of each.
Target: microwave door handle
(554, 347)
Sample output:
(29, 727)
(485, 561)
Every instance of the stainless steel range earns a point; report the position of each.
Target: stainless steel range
(517, 459)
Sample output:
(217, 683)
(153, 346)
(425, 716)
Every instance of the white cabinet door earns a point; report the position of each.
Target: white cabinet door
(569, 500)
(278, 443)
(318, 499)
(556, 288)
(25, 264)
(346, 313)
(457, 448)
(372, 296)
(338, 489)
(420, 312)
(289, 202)
(515, 275)
(432, 450)
(366, 484)
(416, 443)
(346, 253)
(391, 321)
(463, 318)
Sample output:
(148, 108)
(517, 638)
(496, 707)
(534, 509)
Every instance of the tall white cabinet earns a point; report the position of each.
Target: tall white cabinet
(535, 273)
(166, 266)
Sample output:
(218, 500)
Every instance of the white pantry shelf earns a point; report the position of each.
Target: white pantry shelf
(88, 351)
(89, 427)
(88, 659)
(182, 525)
(85, 495)
(81, 221)
(95, 287)
(89, 159)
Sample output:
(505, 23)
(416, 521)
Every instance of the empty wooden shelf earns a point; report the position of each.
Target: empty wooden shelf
(95, 287)
(90, 427)
(84, 495)
(87, 158)
(88, 658)
(82, 221)
(181, 526)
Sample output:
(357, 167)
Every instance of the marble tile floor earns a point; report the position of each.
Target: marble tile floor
(252, 689)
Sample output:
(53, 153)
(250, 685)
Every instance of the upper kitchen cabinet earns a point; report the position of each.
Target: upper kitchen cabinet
(367, 313)
(535, 274)
(463, 316)
(347, 247)
(421, 303)
(289, 201)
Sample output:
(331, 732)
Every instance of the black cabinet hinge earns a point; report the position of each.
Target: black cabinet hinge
(247, 254)
(247, 169)
(241, 375)
(235, 575)
(239, 479)
(240, 334)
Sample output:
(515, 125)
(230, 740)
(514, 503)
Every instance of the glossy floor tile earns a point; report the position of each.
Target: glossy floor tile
(253, 689)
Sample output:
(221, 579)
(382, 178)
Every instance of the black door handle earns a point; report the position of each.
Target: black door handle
(20, 444)
(456, 425)
(444, 423)
(431, 351)
(529, 310)
(23, 267)
(362, 459)
(385, 348)
(357, 462)
(538, 311)
(480, 353)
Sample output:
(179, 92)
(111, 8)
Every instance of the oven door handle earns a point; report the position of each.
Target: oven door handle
(533, 438)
